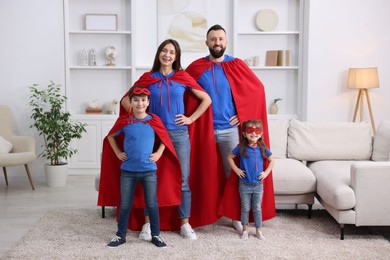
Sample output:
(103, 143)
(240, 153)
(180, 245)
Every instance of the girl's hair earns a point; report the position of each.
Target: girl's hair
(244, 143)
(176, 64)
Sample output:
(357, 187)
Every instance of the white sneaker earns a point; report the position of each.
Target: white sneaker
(244, 235)
(146, 233)
(187, 232)
(238, 226)
(260, 236)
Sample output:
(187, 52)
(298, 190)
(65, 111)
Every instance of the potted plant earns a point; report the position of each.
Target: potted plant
(56, 127)
(273, 109)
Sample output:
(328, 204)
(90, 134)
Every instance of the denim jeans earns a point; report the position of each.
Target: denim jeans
(181, 142)
(251, 194)
(226, 139)
(129, 181)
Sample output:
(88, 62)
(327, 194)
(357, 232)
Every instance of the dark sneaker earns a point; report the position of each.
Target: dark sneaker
(116, 241)
(157, 241)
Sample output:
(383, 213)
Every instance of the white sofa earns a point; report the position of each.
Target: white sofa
(340, 164)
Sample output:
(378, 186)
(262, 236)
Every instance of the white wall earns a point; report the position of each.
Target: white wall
(32, 51)
(344, 34)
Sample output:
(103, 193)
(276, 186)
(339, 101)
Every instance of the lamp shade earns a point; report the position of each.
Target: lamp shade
(363, 78)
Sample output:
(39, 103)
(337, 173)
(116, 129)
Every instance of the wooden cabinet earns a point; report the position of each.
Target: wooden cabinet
(283, 82)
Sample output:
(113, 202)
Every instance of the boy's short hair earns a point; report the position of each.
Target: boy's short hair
(139, 91)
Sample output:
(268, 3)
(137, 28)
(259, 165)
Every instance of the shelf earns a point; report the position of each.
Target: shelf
(270, 33)
(100, 67)
(99, 32)
(249, 42)
(281, 116)
(95, 117)
(274, 68)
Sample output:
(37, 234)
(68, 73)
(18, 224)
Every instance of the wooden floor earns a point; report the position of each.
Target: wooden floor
(21, 207)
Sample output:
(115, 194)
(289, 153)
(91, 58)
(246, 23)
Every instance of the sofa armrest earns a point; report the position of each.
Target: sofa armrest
(23, 144)
(371, 182)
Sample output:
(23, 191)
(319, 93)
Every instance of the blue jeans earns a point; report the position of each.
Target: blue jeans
(129, 181)
(251, 194)
(226, 139)
(181, 142)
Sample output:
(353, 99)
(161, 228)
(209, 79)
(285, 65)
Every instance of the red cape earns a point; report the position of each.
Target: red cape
(169, 182)
(204, 180)
(250, 101)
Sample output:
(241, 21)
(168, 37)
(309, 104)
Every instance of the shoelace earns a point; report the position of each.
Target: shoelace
(189, 229)
(116, 239)
(158, 238)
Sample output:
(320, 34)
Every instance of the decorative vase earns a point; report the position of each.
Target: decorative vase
(273, 109)
(56, 175)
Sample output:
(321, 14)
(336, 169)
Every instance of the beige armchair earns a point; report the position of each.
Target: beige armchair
(23, 147)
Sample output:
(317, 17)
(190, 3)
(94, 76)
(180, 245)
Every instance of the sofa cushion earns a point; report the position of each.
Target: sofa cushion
(5, 146)
(333, 183)
(278, 137)
(292, 177)
(381, 148)
(329, 141)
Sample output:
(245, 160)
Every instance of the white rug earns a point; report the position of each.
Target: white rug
(83, 234)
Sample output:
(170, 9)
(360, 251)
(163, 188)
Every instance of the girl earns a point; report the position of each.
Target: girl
(252, 152)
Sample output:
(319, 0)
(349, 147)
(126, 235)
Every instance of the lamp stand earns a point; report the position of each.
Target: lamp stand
(364, 92)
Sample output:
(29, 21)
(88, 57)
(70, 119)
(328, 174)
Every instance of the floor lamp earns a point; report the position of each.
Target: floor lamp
(363, 79)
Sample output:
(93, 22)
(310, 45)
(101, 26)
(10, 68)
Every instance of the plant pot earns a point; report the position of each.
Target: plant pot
(56, 175)
(273, 109)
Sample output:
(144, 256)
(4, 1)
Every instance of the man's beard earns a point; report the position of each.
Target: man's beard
(217, 54)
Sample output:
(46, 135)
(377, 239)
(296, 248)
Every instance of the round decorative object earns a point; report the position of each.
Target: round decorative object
(267, 20)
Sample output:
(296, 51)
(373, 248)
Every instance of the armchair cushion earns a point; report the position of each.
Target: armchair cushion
(5, 146)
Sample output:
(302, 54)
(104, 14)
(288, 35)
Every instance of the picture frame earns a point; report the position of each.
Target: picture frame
(101, 22)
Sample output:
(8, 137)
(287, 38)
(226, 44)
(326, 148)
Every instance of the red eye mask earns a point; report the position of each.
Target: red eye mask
(250, 130)
(140, 91)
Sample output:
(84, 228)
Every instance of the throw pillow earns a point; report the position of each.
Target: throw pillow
(5, 146)
(277, 130)
(381, 149)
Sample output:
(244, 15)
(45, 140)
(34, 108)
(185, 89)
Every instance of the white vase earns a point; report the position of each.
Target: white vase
(273, 109)
(56, 175)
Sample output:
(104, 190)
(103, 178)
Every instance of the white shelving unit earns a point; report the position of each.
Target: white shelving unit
(136, 47)
(279, 81)
(101, 82)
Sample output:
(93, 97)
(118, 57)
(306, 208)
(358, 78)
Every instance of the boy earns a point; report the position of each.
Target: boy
(138, 162)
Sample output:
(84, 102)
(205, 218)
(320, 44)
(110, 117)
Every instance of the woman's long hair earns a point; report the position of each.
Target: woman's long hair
(244, 142)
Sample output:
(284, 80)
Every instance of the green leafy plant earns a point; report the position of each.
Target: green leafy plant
(54, 123)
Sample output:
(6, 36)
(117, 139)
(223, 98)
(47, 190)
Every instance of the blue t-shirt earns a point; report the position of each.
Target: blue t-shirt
(138, 145)
(248, 164)
(167, 100)
(215, 83)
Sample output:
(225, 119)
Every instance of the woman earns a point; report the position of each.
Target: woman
(168, 83)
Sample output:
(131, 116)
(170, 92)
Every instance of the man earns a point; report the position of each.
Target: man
(237, 95)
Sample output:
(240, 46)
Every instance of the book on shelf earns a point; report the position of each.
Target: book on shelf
(277, 58)
(271, 58)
